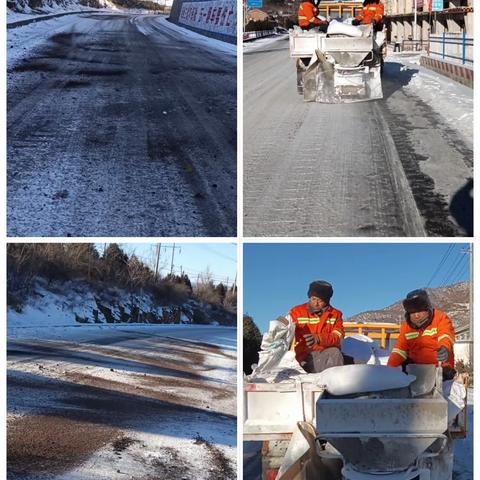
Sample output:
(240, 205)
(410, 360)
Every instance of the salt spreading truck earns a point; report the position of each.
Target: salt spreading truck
(340, 66)
(353, 422)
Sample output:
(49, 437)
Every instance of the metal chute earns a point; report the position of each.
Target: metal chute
(337, 69)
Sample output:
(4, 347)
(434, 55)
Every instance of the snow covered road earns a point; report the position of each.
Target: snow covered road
(140, 403)
(120, 125)
(395, 167)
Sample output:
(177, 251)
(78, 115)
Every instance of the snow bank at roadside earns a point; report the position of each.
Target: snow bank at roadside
(261, 43)
(18, 10)
(67, 306)
(205, 41)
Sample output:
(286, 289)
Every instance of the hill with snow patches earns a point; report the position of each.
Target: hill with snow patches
(453, 300)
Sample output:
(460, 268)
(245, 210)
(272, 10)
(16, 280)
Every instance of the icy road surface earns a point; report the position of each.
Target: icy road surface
(142, 403)
(120, 125)
(401, 166)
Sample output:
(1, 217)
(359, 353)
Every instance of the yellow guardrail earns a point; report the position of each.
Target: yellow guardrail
(376, 331)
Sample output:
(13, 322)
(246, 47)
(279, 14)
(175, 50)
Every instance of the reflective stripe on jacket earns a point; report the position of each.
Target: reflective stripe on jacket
(421, 345)
(371, 12)
(307, 14)
(328, 325)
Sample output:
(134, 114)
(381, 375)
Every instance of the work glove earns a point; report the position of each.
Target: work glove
(311, 339)
(282, 320)
(355, 22)
(442, 354)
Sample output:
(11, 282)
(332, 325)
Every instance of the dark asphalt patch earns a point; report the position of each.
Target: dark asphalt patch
(34, 67)
(103, 73)
(66, 38)
(213, 71)
(122, 443)
(77, 84)
(43, 444)
(433, 206)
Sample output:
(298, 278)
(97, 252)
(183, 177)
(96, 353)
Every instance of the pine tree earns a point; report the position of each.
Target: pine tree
(252, 340)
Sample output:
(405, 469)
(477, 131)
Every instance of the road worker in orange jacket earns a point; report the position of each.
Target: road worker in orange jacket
(371, 13)
(426, 337)
(318, 329)
(307, 16)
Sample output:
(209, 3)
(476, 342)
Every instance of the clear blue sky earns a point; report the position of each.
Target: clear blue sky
(364, 276)
(193, 258)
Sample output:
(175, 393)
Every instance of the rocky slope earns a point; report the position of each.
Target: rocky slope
(77, 302)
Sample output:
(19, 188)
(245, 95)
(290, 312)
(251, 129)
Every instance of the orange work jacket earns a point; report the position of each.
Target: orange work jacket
(328, 325)
(307, 14)
(371, 12)
(421, 345)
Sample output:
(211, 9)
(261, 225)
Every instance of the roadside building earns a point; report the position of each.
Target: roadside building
(441, 29)
(455, 17)
(256, 15)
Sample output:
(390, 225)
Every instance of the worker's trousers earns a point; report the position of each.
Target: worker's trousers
(317, 362)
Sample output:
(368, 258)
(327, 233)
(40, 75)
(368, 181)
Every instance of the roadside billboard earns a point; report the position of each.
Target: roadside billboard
(218, 16)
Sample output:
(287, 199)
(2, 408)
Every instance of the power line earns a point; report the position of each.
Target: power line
(454, 266)
(461, 274)
(442, 262)
(215, 252)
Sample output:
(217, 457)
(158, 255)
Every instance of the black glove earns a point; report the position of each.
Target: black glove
(442, 354)
(355, 22)
(311, 339)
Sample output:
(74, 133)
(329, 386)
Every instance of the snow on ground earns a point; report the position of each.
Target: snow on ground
(463, 464)
(208, 42)
(452, 100)
(22, 40)
(261, 43)
(168, 399)
(13, 16)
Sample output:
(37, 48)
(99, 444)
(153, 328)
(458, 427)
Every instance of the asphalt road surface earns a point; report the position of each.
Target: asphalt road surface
(391, 167)
(133, 404)
(121, 126)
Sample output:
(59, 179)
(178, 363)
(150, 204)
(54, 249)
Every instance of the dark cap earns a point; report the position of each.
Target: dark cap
(320, 289)
(417, 301)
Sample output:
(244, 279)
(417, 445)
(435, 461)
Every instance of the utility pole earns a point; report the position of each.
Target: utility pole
(173, 255)
(470, 252)
(415, 21)
(157, 261)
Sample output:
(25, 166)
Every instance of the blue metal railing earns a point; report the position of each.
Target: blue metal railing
(460, 40)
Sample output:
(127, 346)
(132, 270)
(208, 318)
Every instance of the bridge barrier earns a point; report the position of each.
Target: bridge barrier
(247, 36)
(455, 71)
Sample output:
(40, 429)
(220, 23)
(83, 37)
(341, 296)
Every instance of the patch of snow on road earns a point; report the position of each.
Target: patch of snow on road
(463, 460)
(21, 40)
(452, 100)
(261, 43)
